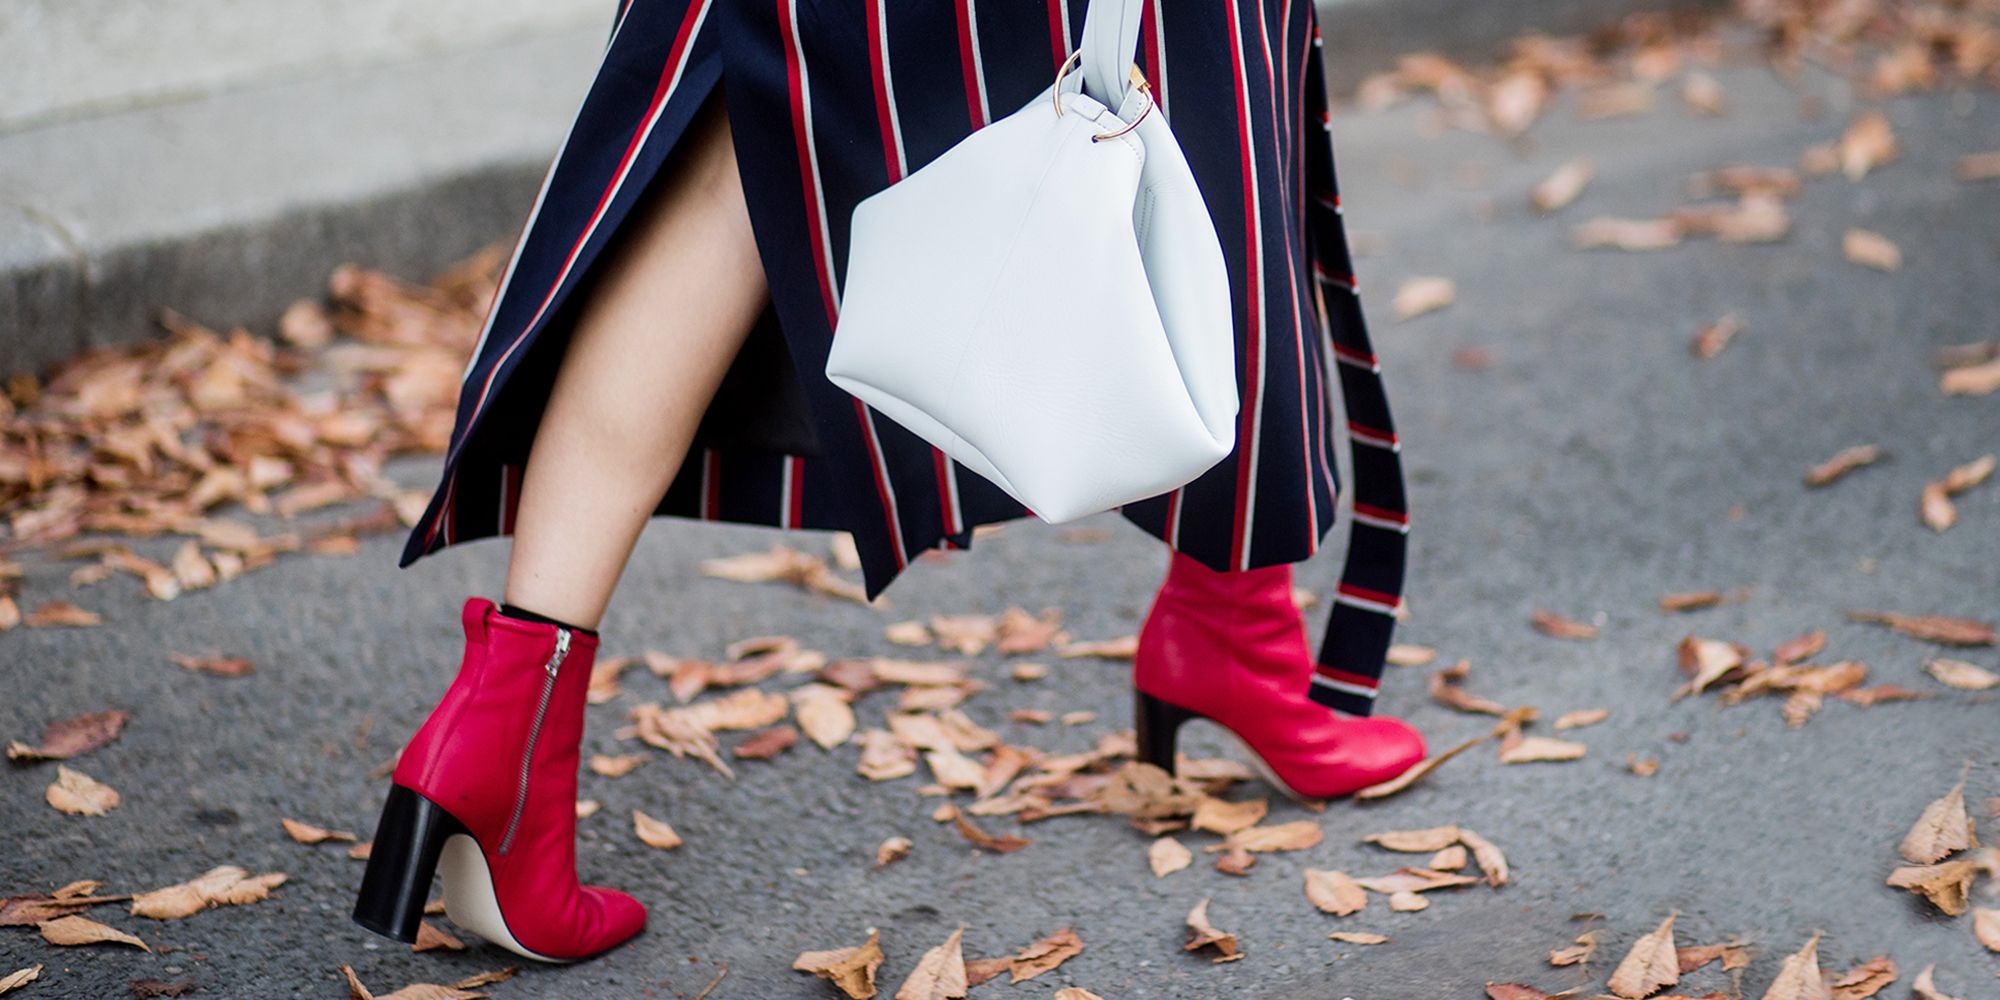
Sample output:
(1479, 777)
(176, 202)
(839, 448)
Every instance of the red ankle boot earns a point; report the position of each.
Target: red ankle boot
(487, 791)
(1231, 648)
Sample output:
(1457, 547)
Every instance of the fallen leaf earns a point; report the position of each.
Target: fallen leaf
(1447, 688)
(1578, 952)
(1075, 993)
(75, 930)
(825, 713)
(1417, 296)
(70, 737)
(1028, 672)
(1644, 767)
(1945, 885)
(1651, 964)
(586, 808)
(1705, 95)
(1802, 648)
(1799, 978)
(1865, 980)
(1551, 624)
(61, 614)
(20, 977)
(1046, 954)
(1711, 339)
(1935, 509)
(1977, 166)
(1334, 892)
(1541, 748)
(1871, 249)
(79, 794)
(1405, 654)
(1690, 601)
(967, 634)
(1980, 379)
(1491, 861)
(1843, 462)
(1634, 235)
(1416, 771)
(1408, 902)
(1451, 859)
(615, 766)
(1413, 880)
(306, 833)
(1562, 187)
(892, 850)
(1944, 828)
(1941, 629)
(1425, 841)
(1965, 477)
(1005, 844)
(1202, 934)
(1867, 144)
(1582, 717)
(851, 970)
(1358, 937)
(223, 885)
(1167, 856)
(221, 666)
(940, 973)
(910, 633)
(1925, 988)
(431, 937)
(1224, 817)
(1294, 836)
(1986, 927)
(1122, 648)
(653, 832)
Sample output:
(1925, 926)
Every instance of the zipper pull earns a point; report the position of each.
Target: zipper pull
(562, 652)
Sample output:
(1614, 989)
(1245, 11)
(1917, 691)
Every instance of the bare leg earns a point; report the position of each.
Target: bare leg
(678, 293)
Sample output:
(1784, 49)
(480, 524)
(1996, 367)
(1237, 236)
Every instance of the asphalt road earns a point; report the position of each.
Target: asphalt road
(1592, 468)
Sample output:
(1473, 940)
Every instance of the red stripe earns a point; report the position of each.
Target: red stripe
(1058, 38)
(1371, 434)
(1358, 680)
(712, 472)
(878, 62)
(1382, 513)
(1365, 594)
(968, 65)
(798, 471)
(1253, 336)
(1149, 24)
(1360, 357)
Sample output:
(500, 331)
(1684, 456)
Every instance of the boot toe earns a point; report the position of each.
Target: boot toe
(619, 916)
(1388, 746)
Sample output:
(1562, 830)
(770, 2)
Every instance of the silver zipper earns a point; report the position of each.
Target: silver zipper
(534, 732)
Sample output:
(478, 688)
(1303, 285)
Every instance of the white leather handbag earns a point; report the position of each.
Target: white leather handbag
(1046, 302)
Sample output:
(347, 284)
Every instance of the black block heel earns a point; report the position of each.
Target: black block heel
(1158, 724)
(397, 883)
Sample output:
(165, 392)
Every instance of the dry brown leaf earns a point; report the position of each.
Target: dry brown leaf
(1451, 859)
(1562, 187)
(1004, 844)
(223, 885)
(1965, 477)
(1941, 629)
(20, 977)
(1358, 937)
(1541, 748)
(1121, 648)
(910, 633)
(1408, 902)
(1651, 965)
(785, 565)
(1413, 880)
(1021, 632)
(967, 634)
(1871, 249)
(1224, 817)
(1867, 144)
(431, 937)
(767, 743)
(1577, 952)
(1202, 934)
(306, 833)
(1799, 978)
(1045, 954)
(1028, 672)
(1417, 296)
(1980, 379)
(893, 849)
(940, 974)
(1075, 993)
(1447, 688)
(1843, 462)
(851, 970)
(1945, 885)
(1582, 717)
(1294, 836)
(1551, 624)
(75, 930)
(1865, 980)
(617, 766)
(653, 832)
(1644, 767)
(1977, 166)
(586, 808)
(1167, 856)
(1802, 648)
(1710, 340)
(1704, 95)
(824, 712)
(61, 614)
(884, 757)
(1635, 235)
(1986, 927)
(1417, 771)
(1424, 841)
(1690, 601)
(1924, 987)
(221, 666)
(79, 794)
(68, 738)
(1707, 661)
(1334, 892)
(1944, 828)
(1404, 654)
(1491, 861)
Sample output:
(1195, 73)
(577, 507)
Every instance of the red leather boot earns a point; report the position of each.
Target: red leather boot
(486, 791)
(1231, 648)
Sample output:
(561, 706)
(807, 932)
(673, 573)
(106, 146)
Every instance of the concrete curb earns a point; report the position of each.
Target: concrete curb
(228, 207)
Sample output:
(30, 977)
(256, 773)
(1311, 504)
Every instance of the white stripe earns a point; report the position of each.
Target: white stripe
(1363, 603)
(1399, 527)
(1257, 229)
(500, 522)
(978, 60)
(1373, 442)
(889, 86)
(1353, 689)
(1063, 5)
(785, 491)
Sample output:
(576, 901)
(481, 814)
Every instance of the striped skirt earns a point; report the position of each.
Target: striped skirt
(830, 101)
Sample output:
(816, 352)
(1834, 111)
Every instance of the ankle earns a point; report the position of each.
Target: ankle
(519, 613)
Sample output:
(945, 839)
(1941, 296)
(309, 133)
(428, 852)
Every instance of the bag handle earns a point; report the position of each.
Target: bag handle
(1110, 42)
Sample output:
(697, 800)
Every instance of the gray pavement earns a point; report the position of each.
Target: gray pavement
(1593, 468)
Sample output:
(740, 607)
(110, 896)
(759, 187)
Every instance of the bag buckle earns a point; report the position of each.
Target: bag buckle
(1137, 78)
